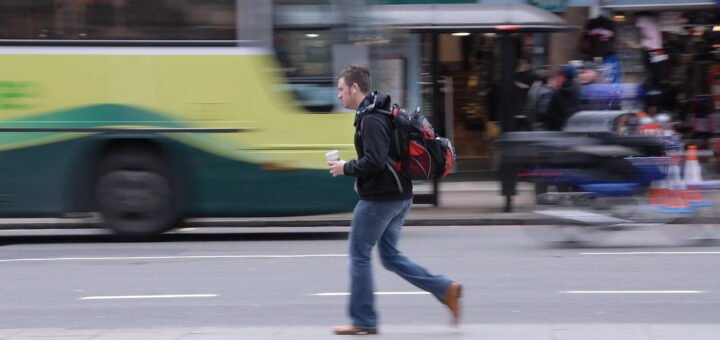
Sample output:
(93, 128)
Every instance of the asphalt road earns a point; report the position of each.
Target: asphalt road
(297, 277)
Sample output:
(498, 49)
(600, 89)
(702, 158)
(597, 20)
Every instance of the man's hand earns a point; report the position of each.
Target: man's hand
(336, 167)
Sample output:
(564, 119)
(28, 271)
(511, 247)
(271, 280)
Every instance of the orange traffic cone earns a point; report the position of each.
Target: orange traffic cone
(692, 166)
(658, 193)
(693, 179)
(675, 202)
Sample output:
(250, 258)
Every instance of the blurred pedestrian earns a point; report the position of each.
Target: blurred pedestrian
(598, 38)
(538, 100)
(588, 74)
(594, 97)
(565, 100)
(523, 80)
(385, 200)
(656, 60)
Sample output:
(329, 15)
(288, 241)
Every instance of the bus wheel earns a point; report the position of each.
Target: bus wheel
(136, 195)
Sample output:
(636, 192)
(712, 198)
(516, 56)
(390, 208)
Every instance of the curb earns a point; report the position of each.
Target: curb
(345, 222)
(515, 219)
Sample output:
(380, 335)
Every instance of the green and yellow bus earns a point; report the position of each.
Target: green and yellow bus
(149, 112)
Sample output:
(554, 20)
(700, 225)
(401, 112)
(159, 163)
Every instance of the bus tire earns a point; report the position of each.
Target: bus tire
(136, 195)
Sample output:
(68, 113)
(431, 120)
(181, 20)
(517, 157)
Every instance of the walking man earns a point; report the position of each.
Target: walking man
(385, 199)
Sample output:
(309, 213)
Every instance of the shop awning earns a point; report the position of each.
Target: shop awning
(474, 17)
(656, 5)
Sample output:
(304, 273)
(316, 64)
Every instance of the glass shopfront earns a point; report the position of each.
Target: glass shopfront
(469, 72)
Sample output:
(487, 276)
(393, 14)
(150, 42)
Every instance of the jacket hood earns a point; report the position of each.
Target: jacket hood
(373, 101)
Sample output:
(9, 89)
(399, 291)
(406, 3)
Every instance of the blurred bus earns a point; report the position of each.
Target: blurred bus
(149, 112)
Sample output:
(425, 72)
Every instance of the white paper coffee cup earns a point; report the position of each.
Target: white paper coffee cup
(332, 155)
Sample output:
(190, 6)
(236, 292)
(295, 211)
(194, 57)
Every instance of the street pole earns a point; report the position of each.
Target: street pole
(508, 55)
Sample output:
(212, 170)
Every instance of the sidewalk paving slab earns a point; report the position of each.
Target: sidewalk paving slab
(535, 331)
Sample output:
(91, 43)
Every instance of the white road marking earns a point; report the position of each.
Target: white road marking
(633, 292)
(376, 293)
(125, 297)
(657, 253)
(189, 257)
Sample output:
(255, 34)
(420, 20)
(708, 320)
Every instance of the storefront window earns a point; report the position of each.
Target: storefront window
(467, 98)
(469, 75)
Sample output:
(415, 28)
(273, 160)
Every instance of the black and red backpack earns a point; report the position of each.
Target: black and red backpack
(423, 154)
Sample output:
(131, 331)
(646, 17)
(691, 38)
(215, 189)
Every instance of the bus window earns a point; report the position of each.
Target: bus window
(118, 20)
(306, 59)
(304, 35)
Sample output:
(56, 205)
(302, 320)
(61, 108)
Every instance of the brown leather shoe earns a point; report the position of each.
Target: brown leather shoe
(352, 330)
(452, 301)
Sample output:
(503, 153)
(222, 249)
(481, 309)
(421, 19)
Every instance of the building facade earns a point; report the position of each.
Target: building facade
(456, 74)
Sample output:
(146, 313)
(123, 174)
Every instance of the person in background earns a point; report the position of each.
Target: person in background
(385, 199)
(598, 38)
(591, 97)
(538, 100)
(597, 43)
(565, 100)
(656, 60)
(588, 74)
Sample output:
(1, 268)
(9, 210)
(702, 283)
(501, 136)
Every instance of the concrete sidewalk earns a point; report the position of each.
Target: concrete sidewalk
(460, 203)
(410, 332)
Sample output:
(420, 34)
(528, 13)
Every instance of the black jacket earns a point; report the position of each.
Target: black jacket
(564, 103)
(376, 179)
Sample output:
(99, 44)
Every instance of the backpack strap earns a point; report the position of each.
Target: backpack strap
(395, 139)
(395, 136)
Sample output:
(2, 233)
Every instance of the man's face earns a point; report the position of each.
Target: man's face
(345, 94)
(556, 81)
(588, 76)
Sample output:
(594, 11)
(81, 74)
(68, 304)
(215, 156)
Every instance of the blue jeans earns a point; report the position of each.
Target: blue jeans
(375, 221)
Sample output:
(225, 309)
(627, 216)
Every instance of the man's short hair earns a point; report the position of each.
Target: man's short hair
(357, 74)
